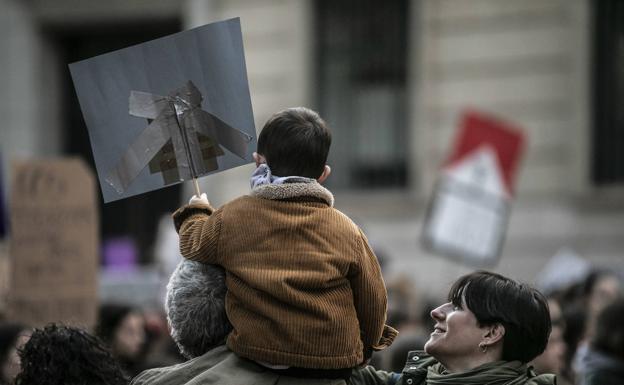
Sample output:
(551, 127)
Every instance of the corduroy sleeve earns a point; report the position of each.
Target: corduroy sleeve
(370, 299)
(199, 226)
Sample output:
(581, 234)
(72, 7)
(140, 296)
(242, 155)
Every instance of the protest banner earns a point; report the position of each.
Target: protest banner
(167, 110)
(3, 212)
(4, 255)
(53, 243)
(467, 218)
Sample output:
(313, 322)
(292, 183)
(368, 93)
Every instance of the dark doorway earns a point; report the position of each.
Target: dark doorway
(136, 217)
(608, 92)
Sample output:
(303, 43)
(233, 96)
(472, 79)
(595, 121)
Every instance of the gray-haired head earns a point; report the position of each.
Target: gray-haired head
(195, 306)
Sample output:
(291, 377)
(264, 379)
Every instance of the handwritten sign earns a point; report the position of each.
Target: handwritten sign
(53, 243)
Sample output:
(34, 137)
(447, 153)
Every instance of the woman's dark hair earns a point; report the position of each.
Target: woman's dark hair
(9, 332)
(110, 317)
(594, 276)
(575, 320)
(609, 334)
(295, 142)
(62, 355)
(522, 310)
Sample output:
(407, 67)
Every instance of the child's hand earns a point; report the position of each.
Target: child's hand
(203, 198)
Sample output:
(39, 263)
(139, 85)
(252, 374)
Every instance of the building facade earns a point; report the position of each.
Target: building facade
(392, 80)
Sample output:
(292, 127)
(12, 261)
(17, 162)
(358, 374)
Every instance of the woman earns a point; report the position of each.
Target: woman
(603, 363)
(553, 360)
(122, 328)
(486, 333)
(66, 355)
(12, 337)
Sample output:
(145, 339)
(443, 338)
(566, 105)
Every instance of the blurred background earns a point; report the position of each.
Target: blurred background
(391, 79)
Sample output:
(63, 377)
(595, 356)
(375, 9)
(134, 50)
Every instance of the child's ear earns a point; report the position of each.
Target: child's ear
(324, 175)
(259, 159)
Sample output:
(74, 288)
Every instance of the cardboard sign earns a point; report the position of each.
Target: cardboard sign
(3, 218)
(53, 243)
(468, 216)
(167, 110)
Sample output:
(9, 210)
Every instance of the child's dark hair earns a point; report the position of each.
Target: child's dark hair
(295, 142)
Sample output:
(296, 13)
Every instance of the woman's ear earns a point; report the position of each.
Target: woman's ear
(493, 334)
(324, 175)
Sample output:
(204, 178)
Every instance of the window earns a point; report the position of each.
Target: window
(608, 108)
(361, 90)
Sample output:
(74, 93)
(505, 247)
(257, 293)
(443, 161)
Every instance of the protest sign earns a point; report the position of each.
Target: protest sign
(3, 212)
(467, 218)
(167, 110)
(53, 243)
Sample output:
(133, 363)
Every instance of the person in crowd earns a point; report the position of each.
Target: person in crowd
(159, 349)
(604, 362)
(12, 337)
(59, 355)
(574, 318)
(408, 313)
(122, 328)
(601, 287)
(486, 333)
(552, 360)
(195, 306)
(305, 290)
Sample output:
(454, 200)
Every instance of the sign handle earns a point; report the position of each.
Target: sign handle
(197, 190)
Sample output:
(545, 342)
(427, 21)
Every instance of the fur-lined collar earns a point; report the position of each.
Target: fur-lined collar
(293, 190)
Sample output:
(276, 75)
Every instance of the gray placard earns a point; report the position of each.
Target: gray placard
(127, 98)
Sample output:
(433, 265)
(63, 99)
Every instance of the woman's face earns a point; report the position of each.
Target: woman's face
(456, 335)
(12, 366)
(130, 336)
(605, 291)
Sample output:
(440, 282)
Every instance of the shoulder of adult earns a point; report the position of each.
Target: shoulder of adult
(235, 370)
(183, 372)
(542, 379)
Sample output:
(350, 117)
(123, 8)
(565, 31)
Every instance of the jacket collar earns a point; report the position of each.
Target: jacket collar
(289, 191)
(421, 368)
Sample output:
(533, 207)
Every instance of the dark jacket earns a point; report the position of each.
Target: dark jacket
(597, 368)
(222, 367)
(422, 369)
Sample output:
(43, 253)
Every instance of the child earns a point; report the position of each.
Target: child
(305, 289)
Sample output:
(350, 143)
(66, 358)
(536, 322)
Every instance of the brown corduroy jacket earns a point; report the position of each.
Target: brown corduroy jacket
(304, 287)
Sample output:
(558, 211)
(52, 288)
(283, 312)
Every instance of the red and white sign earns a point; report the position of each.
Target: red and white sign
(468, 217)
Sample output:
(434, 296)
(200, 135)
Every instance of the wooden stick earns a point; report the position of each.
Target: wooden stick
(197, 190)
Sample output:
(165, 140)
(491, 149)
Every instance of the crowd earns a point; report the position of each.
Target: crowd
(278, 287)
